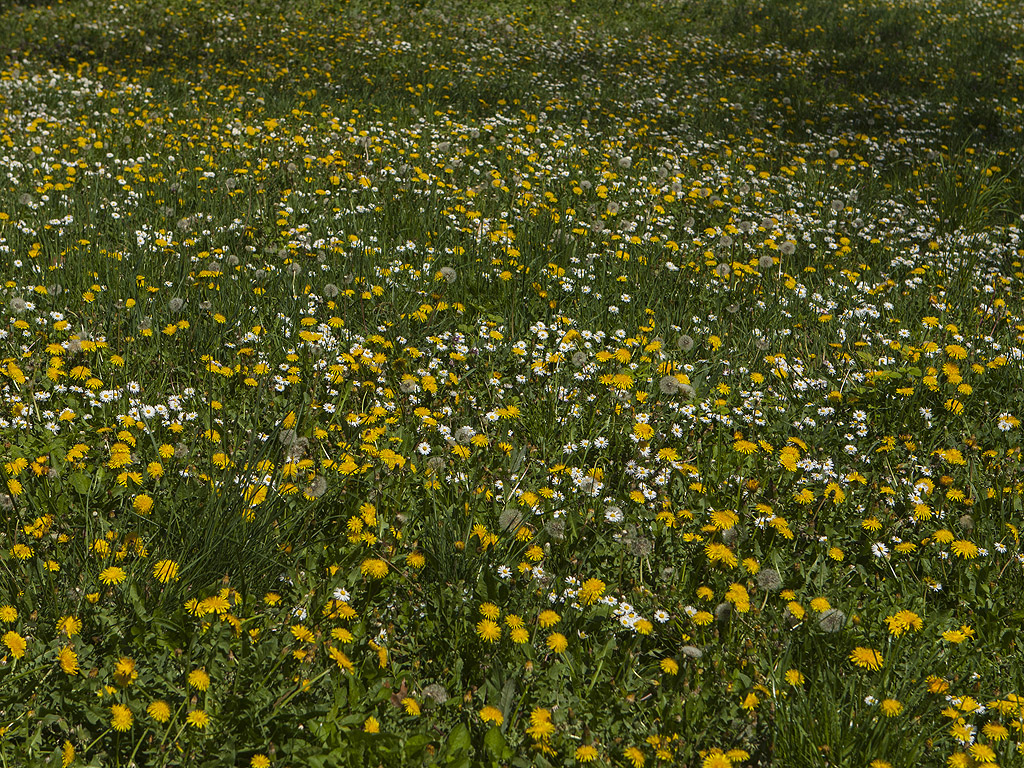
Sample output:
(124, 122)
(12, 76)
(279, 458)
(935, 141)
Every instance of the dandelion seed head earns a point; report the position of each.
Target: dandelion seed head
(769, 580)
(723, 612)
(832, 620)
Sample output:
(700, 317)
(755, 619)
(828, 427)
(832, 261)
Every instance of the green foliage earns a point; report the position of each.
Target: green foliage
(533, 384)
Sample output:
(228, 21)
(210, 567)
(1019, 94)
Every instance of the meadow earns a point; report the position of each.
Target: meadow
(512, 383)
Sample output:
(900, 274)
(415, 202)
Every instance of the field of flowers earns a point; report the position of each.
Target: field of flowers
(511, 384)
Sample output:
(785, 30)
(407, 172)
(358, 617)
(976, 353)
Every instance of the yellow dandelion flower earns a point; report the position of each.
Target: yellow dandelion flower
(214, 604)
(635, 756)
(703, 618)
(669, 666)
(744, 447)
(548, 618)
(371, 725)
(964, 549)
(125, 672)
(374, 567)
(719, 553)
(891, 707)
(794, 677)
(866, 658)
(341, 659)
(68, 660)
(197, 718)
(259, 761)
(15, 643)
(159, 710)
(936, 684)
(121, 718)
(643, 431)
(591, 591)
(165, 571)
(557, 642)
(943, 536)
(820, 605)
(585, 753)
(962, 732)
(490, 611)
(8, 614)
(716, 758)
(903, 621)
(806, 496)
(968, 704)
(983, 753)
(788, 458)
(520, 635)
(415, 560)
(724, 519)
(996, 731)
(540, 726)
(143, 504)
(112, 575)
(489, 631)
(491, 714)
(411, 706)
(69, 625)
(199, 679)
(342, 635)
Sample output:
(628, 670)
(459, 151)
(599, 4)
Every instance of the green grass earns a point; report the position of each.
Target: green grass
(511, 384)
